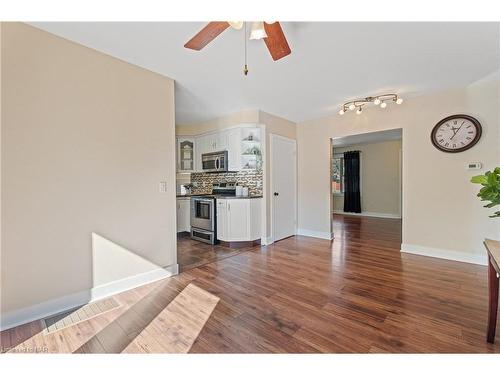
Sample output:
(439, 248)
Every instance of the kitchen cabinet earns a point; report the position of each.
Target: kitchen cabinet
(186, 152)
(213, 142)
(221, 218)
(243, 145)
(239, 219)
(183, 215)
(234, 149)
(209, 143)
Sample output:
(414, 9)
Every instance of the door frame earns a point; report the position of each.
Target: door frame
(272, 138)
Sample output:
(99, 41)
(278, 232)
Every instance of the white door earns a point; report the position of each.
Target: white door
(283, 186)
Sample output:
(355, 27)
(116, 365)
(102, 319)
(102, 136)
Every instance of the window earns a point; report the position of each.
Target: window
(338, 174)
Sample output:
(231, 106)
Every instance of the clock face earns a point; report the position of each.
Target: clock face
(456, 133)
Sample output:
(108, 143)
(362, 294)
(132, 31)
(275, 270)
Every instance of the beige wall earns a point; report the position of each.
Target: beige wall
(249, 116)
(380, 172)
(440, 209)
(273, 124)
(86, 139)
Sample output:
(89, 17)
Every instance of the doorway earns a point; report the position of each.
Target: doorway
(371, 193)
(283, 178)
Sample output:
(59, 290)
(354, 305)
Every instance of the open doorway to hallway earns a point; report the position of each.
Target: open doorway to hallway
(366, 183)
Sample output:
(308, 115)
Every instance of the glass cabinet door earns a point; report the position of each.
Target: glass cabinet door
(186, 155)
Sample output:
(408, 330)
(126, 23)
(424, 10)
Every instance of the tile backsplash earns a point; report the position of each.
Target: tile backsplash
(250, 178)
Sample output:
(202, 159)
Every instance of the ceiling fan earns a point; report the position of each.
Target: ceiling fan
(271, 32)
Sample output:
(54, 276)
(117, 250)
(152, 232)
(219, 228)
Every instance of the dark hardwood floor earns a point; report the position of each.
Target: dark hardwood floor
(191, 253)
(358, 293)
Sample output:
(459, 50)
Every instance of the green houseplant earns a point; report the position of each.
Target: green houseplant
(490, 191)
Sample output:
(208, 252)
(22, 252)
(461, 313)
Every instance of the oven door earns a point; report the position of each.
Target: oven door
(202, 213)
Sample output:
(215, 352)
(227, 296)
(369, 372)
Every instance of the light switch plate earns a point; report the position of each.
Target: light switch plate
(163, 186)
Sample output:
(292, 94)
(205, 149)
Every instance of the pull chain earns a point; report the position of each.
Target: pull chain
(245, 69)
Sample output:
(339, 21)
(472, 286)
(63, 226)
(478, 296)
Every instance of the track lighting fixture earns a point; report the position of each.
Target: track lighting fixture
(376, 100)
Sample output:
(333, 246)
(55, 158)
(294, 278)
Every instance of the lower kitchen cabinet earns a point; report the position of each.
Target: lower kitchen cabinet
(183, 215)
(239, 219)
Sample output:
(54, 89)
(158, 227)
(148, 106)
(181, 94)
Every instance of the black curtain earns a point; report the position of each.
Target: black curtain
(352, 196)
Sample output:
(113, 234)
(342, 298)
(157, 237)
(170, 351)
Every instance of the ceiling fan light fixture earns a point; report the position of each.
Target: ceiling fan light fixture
(360, 110)
(377, 101)
(383, 105)
(237, 25)
(258, 31)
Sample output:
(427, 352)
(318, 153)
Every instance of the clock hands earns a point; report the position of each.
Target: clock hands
(455, 130)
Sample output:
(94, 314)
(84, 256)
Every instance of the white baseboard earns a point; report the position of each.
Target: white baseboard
(314, 233)
(118, 286)
(268, 240)
(458, 256)
(370, 214)
(57, 305)
(51, 307)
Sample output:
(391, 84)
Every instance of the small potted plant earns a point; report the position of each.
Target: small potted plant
(490, 191)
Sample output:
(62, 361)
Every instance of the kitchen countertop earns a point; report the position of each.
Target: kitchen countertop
(235, 197)
(216, 196)
(191, 195)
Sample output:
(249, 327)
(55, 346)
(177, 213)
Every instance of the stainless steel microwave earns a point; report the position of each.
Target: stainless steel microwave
(214, 162)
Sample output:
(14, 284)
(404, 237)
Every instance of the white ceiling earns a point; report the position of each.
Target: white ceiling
(330, 62)
(373, 137)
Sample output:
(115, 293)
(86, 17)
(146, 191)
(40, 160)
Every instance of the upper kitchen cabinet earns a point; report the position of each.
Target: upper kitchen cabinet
(242, 143)
(213, 142)
(234, 149)
(185, 154)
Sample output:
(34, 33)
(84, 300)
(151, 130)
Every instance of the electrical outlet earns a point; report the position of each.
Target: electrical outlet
(163, 186)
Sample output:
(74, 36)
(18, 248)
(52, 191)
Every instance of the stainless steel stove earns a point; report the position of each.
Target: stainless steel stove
(203, 213)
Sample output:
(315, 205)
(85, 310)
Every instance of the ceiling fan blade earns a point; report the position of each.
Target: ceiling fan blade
(276, 42)
(206, 35)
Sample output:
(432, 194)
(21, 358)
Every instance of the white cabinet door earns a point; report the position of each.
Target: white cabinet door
(238, 219)
(234, 149)
(220, 140)
(183, 215)
(211, 142)
(202, 147)
(221, 219)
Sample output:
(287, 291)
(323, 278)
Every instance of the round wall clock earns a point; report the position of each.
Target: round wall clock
(456, 133)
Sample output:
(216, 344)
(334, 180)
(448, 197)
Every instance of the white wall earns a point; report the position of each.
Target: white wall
(440, 210)
(380, 178)
(86, 139)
